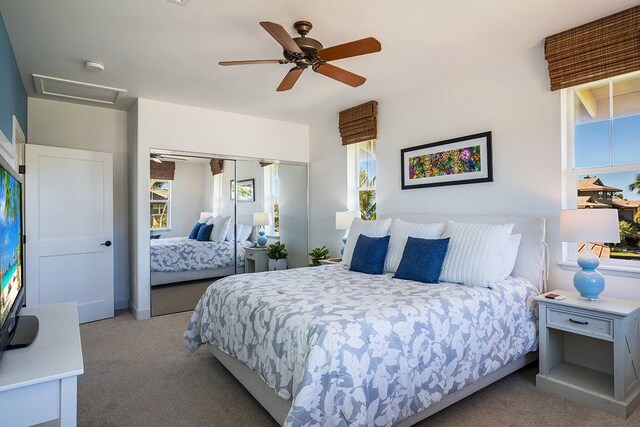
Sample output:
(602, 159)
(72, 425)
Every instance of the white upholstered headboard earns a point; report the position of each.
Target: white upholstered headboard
(531, 263)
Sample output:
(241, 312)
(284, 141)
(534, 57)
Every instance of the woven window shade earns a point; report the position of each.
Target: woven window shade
(265, 164)
(164, 170)
(217, 166)
(598, 50)
(359, 123)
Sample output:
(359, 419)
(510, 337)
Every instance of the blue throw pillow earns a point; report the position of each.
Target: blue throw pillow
(369, 254)
(422, 260)
(204, 234)
(194, 230)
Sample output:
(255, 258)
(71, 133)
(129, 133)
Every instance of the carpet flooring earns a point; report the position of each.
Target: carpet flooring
(168, 299)
(137, 373)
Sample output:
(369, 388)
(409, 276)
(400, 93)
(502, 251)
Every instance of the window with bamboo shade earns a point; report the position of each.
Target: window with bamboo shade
(217, 166)
(601, 49)
(163, 171)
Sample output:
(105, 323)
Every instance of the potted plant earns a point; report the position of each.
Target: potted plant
(277, 253)
(318, 254)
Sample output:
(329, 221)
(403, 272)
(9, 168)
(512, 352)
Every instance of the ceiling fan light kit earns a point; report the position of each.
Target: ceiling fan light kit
(306, 52)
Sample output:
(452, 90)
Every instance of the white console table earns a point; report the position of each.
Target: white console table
(38, 383)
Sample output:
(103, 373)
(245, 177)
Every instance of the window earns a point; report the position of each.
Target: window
(603, 160)
(272, 198)
(160, 204)
(362, 173)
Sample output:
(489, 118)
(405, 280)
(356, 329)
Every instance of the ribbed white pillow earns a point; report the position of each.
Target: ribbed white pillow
(475, 253)
(378, 228)
(220, 228)
(230, 232)
(247, 229)
(400, 231)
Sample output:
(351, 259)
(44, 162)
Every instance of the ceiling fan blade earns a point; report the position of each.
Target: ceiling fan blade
(339, 74)
(254, 61)
(347, 50)
(281, 36)
(290, 79)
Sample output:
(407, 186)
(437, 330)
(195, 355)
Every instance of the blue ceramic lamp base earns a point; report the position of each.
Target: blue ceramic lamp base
(262, 239)
(588, 281)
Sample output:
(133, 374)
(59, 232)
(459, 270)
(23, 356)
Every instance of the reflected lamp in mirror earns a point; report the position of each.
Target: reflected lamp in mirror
(261, 219)
(591, 227)
(343, 222)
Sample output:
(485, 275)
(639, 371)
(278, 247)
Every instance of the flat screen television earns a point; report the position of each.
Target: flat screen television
(15, 331)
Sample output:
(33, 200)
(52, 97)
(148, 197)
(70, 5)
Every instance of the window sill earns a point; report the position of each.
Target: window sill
(605, 269)
(157, 230)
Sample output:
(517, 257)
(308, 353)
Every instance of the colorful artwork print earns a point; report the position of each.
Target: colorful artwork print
(10, 235)
(451, 162)
(463, 160)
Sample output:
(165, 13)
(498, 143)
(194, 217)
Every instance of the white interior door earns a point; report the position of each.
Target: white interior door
(68, 203)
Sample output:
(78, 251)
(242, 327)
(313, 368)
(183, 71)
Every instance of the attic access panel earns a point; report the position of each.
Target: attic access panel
(52, 86)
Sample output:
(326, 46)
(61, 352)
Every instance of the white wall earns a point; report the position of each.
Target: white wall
(179, 127)
(66, 125)
(186, 198)
(511, 98)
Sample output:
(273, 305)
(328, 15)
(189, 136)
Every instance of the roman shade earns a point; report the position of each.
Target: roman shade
(217, 166)
(265, 164)
(164, 170)
(598, 50)
(359, 123)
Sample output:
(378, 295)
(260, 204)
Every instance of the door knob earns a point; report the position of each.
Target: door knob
(107, 243)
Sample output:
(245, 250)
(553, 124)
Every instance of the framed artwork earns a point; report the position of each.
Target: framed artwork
(463, 160)
(246, 191)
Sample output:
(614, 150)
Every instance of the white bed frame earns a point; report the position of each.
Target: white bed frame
(531, 264)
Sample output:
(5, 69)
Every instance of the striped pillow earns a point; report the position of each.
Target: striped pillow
(400, 231)
(475, 253)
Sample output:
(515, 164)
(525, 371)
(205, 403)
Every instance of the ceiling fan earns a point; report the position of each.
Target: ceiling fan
(306, 52)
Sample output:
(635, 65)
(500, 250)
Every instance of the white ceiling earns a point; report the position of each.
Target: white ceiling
(157, 49)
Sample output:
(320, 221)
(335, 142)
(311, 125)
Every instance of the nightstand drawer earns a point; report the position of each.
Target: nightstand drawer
(250, 255)
(584, 324)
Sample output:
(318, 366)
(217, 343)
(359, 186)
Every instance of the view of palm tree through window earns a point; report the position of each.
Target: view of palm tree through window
(159, 198)
(607, 158)
(367, 169)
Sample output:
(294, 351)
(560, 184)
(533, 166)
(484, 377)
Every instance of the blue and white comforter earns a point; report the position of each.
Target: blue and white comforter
(355, 349)
(183, 254)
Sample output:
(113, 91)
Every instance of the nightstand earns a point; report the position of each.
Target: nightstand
(255, 260)
(590, 351)
(330, 261)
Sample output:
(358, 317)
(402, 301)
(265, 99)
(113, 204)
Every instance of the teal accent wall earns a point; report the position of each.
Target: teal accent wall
(13, 97)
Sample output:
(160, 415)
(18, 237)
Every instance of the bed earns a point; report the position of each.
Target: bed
(326, 346)
(180, 259)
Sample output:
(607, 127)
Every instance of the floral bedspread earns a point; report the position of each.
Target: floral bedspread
(355, 349)
(184, 254)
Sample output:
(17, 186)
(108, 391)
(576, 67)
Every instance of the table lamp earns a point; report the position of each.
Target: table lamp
(589, 225)
(261, 219)
(343, 222)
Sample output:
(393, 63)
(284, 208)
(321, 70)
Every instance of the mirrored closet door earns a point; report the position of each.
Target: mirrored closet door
(213, 216)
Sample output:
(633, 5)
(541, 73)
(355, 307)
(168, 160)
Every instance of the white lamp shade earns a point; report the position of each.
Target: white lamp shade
(344, 219)
(261, 218)
(589, 225)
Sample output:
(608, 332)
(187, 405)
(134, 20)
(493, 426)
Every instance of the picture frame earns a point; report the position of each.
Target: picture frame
(463, 160)
(246, 190)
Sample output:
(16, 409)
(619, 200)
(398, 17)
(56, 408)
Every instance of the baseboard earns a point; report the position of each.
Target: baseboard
(140, 314)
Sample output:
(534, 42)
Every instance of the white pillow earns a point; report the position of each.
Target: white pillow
(247, 229)
(509, 255)
(230, 235)
(205, 219)
(220, 228)
(378, 228)
(474, 253)
(400, 231)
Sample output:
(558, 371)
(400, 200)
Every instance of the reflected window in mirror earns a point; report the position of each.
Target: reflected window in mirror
(362, 175)
(160, 204)
(272, 198)
(217, 194)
